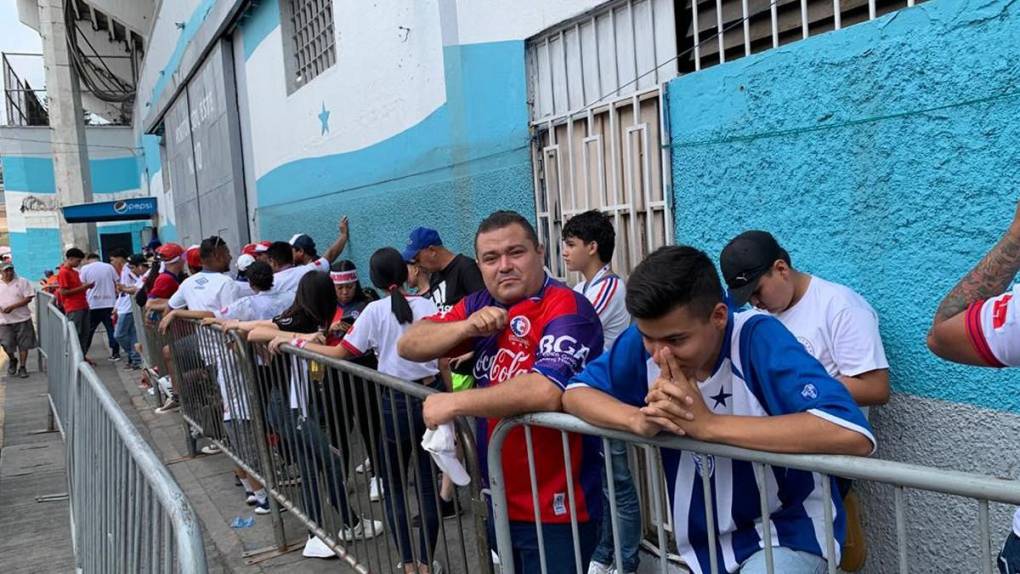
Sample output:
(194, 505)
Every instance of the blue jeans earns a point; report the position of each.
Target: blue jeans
(126, 337)
(628, 513)
(558, 541)
(785, 561)
(403, 427)
(1009, 558)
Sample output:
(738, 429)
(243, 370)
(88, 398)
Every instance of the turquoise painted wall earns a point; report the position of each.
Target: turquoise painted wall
(37, 249)
(882, 156)
(465, 160)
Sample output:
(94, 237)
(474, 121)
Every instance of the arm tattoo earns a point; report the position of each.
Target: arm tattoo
(988, 278)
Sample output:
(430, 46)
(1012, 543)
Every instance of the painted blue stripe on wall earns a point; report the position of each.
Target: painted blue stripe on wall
(484, 117)
(190, 29)
(30, 174)
(150, 153)
(35, 250)
(258, 23)
(35, 174)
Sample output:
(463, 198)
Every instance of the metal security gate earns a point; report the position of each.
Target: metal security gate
(203, 137)
(599, 125)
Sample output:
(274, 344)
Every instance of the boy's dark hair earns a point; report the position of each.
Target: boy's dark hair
(671, 277)
(281, 253)
(260, 276)
(593, 226)
(209, 246)
(119, 252)
(505, 218)
(74, 253)
(92, 255)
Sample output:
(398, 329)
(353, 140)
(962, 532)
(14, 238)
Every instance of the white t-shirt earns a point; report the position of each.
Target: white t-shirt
(607, 294)
(258, 307)
(104, 294)
(127, 279)
(993, 327)
(288, 279)
(376, 329)
(837, 327)
(205, 291)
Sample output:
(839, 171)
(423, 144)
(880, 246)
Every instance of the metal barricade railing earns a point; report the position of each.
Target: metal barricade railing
(299, 423)
(128, 514)
(898, 476)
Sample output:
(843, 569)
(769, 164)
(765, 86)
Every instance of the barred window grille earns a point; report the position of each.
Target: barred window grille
(309, 40)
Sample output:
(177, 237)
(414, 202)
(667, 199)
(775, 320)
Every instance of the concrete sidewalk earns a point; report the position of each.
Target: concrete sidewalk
(34, 536)
(208, 483)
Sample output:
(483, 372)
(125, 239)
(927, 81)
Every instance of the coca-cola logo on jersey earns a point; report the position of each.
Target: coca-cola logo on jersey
(502, 366)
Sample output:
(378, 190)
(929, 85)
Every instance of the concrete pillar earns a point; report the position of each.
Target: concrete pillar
(67, 128)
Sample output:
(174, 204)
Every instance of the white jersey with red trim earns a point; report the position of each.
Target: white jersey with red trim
(993, 327)
(607, 294)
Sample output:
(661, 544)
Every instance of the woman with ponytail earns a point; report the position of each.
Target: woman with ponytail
(377, 329)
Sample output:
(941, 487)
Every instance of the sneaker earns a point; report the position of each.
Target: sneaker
(364, 467)
(250, 499)
(600, 568)
(316, 548)
(22, 373)
(365, 529)
(448, 509)
(211, 449)
(114, 358)
(169, 406)
(237, 481)
(12, 367)
(262, 507)
(376, 489)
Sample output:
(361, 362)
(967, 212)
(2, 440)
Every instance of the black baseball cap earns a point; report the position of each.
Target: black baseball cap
(745, 259)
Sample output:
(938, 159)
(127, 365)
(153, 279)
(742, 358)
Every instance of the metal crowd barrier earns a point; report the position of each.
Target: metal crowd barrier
(127, 512)
(898, 476)
(299, 423)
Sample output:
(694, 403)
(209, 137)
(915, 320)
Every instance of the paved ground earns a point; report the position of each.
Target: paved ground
(34, 536)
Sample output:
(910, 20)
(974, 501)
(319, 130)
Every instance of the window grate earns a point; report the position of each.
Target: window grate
(312, 39)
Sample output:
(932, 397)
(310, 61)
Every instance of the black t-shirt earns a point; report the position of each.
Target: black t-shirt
(447, 287)
(457, 280)
(299, 322)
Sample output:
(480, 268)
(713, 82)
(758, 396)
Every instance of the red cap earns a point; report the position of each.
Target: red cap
(194, 260)
(255, 248)
(169, 252)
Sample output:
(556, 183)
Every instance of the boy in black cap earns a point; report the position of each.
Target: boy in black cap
(835, 325)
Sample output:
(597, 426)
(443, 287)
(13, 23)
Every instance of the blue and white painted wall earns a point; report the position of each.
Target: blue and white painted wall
(30, 191)
(882, 156)
(422, 121)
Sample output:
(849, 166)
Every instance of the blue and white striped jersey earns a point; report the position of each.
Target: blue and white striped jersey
(762, 371)
(607, 294)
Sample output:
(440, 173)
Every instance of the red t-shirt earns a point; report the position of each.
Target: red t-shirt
(68, 278)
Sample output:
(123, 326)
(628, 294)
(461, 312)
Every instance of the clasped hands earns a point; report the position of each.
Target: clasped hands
(673, 403)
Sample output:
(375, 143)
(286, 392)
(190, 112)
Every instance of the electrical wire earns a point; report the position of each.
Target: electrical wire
(113, 89)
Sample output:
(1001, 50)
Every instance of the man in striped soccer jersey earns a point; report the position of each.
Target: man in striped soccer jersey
(588, 244)
(692, 366)
(978, 323)
(530, 334)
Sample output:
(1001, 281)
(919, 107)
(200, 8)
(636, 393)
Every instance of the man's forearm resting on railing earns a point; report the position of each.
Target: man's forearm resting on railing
(528, 393)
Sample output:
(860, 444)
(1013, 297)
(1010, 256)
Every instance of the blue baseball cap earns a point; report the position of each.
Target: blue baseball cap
(421, 238)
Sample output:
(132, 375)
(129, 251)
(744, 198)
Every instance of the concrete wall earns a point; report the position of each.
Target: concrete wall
(412, 126)
(30, 191)
(882, 156)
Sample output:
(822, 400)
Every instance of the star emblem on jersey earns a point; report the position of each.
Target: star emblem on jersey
(720, 397)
